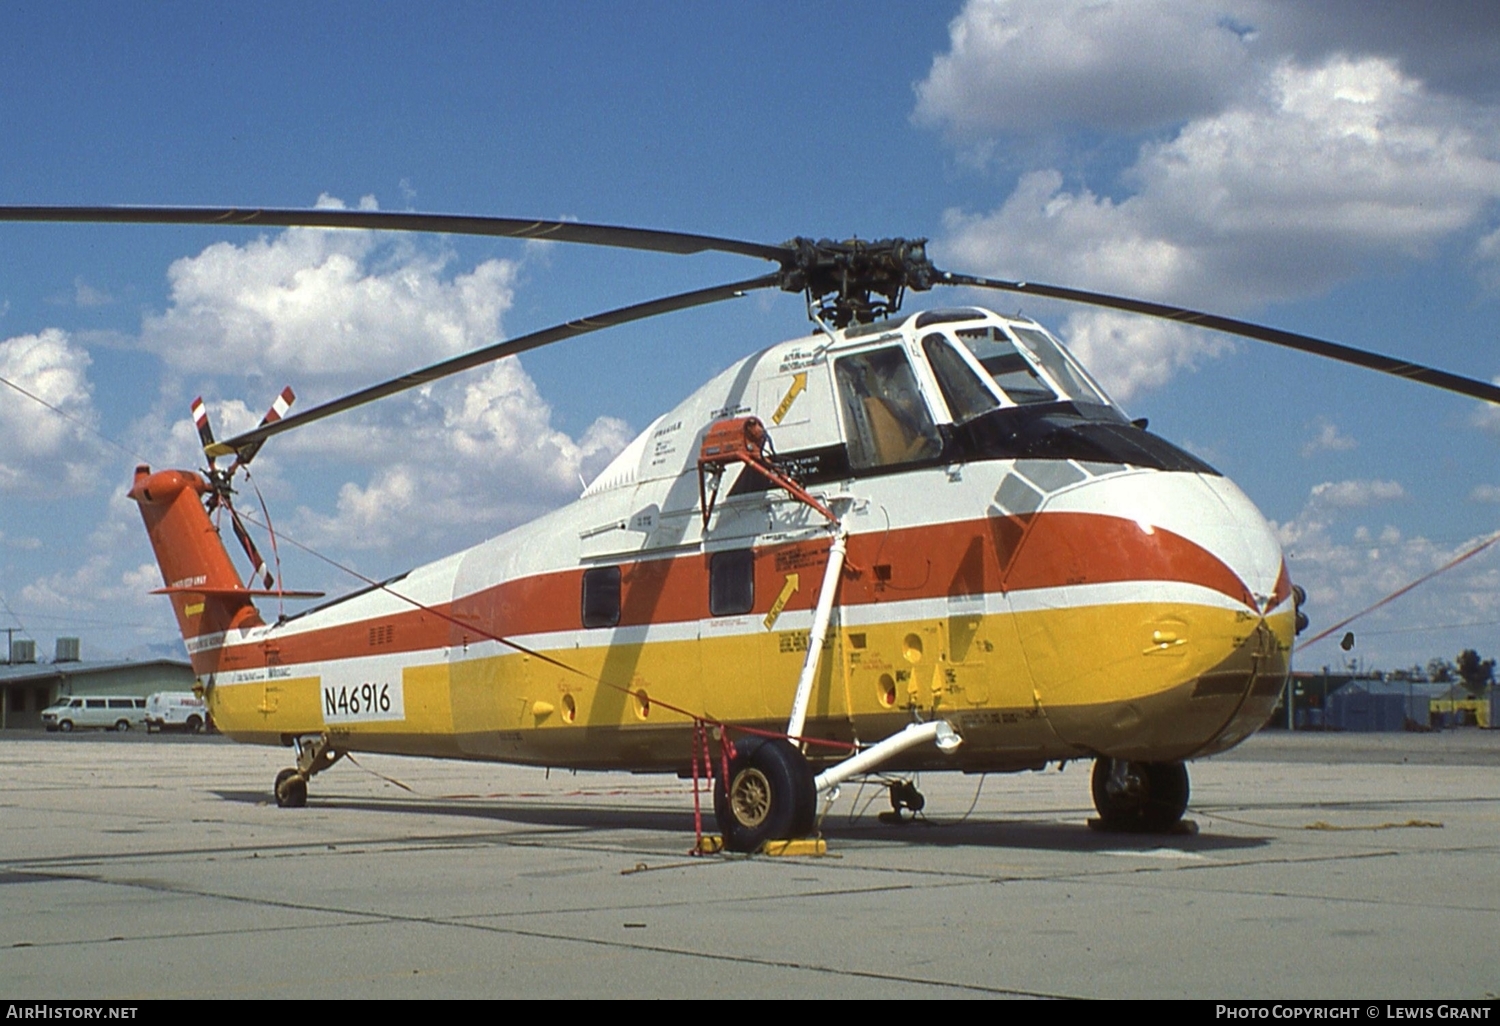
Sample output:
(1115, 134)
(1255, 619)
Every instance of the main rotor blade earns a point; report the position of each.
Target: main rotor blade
(1303, 343)
(381, 220)
(252, 439)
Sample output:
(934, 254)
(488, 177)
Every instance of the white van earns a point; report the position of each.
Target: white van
(176, 710)
(110, 712)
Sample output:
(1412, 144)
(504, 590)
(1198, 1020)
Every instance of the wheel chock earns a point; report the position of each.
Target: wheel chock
(796, 846)
(709, 844)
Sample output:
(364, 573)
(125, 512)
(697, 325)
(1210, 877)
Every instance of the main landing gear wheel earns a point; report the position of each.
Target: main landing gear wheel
(1140, 797)
(291, 789)
(769, 795)
(314, 755)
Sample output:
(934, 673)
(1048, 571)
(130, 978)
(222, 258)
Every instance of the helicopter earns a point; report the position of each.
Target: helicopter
(903, 542)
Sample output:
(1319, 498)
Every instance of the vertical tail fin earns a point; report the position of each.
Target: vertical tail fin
(205, 589)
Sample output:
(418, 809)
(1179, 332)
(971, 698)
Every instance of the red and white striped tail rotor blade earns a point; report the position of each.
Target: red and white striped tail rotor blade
(280, 406)
(257, 561)
(205, 431)
(278, 410)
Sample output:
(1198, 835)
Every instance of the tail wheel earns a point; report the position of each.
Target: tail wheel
(769, 795)
(1145, 797)
(291, 789)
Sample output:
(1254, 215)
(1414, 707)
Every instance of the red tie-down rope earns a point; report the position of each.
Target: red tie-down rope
(1393, 596)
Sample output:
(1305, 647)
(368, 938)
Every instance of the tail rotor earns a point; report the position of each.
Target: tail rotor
(221, 491)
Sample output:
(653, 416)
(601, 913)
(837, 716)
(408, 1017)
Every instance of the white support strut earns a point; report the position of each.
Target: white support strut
(939, 732)
(821, 617)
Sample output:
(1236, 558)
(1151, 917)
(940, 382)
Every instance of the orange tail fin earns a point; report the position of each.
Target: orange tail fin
(205, 589)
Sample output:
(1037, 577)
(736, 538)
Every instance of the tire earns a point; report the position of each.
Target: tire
(66, 726)
(290, 789)
(769, 795)
(1155, 806)
(121, 726)
(194, 725)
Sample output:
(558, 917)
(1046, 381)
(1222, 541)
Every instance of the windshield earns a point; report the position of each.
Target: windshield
(1059, 366)
(963, 391)
(1013, 372)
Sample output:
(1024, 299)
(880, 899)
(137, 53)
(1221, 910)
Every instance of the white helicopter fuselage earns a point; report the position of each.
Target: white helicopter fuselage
(1023, 563)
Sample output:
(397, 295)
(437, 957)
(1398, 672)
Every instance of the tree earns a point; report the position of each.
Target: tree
(1476, 674)
(1439, 671)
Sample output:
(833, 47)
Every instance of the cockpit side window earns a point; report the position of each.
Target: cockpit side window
(963, 391)
(884, 414)
(1015, 375)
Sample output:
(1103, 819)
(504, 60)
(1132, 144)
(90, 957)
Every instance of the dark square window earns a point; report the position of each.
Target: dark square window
(601, 596)
(731, 582)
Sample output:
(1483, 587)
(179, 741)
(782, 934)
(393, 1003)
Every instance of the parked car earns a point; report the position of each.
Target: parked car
(176, 710)
(108, 712)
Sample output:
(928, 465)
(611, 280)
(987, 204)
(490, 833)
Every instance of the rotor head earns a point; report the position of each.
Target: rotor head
(854, 281)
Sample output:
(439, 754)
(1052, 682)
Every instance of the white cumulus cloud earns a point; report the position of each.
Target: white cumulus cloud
(1356, 494)
(44, 451)
(1028, 65)
(324, 305)
(1130, 355)
(1328, 438)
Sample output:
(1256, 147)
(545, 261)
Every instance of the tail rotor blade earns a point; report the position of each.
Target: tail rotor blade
(282, 403)
(257, 561)
(205, 431)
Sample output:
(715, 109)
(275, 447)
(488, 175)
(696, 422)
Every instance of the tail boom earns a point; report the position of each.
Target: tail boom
(206, 592)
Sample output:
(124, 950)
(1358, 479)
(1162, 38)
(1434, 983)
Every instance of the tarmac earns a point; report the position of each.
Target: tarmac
(1332, 866)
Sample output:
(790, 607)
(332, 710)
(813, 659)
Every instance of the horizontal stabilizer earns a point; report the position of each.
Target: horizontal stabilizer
(247, 592)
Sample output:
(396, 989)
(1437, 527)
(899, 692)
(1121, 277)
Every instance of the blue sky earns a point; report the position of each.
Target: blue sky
(1333, 172)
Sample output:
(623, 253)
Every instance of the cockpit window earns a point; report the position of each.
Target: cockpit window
(884, 413)
(1015, 375)
(962, 389)
(1057, 365)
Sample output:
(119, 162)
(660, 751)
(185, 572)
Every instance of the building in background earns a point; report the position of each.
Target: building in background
(27, 686)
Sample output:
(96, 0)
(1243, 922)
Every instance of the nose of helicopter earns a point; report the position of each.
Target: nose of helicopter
(1153, 608)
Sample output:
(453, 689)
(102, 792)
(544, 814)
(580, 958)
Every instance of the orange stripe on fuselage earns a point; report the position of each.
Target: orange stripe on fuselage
(933, 561)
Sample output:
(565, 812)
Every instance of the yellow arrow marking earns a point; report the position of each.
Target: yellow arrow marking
(787, 591)
(799, 385)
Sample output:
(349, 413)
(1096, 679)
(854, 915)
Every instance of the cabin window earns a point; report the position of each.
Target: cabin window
(731, 582)
(121, 703)
(601, 596)
(885, 416)
(962, 390)
(93, 703)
